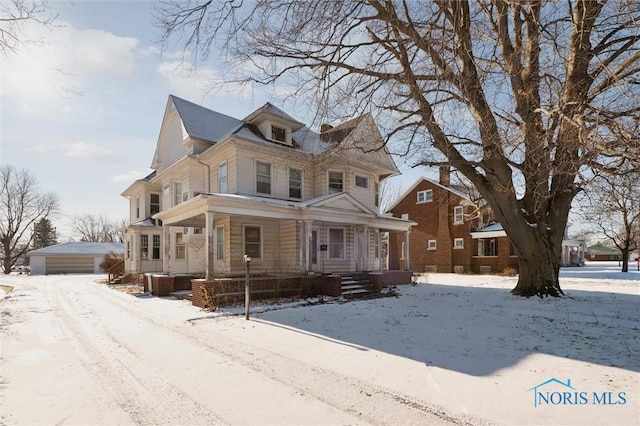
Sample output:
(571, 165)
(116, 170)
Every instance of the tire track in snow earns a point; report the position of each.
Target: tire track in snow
(137, 389)
(369, 402)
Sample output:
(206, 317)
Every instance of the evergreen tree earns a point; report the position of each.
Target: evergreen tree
(44, 234)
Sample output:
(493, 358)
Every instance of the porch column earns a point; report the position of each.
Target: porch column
(406, 247)
(209, 245)
(364, 256)
(308, 226)
(378, 237)
(166, 259)
(302, 254)
(135, 252)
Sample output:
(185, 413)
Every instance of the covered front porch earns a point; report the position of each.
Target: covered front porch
(212, 233)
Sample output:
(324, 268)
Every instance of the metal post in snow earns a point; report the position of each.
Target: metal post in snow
(247, 292)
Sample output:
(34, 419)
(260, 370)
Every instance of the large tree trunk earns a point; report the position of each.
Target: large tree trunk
(538, 275)
(625, 259)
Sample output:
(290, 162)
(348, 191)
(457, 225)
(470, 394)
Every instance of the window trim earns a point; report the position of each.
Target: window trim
(255, 165)
(244, 239)
(355, 181)
(457, 215)
(425, 199)
(455, 241)
(273, 138)
(144, 247)
(220, 254)
(431, 246)
(224, 164)
(178, 245)
(344, 243)
(154, 238)
(289, 183)
(177, 192)
(329, 190)
(151, 203)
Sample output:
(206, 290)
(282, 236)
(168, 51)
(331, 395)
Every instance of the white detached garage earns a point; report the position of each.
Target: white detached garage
(71, 258)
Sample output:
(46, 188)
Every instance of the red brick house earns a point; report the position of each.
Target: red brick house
(452, 234)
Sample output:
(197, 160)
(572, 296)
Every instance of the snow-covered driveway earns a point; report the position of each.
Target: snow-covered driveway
(456, 349)
(77, 352)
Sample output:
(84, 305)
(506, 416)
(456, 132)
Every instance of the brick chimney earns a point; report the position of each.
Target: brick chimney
(445, 175)
(325, 127)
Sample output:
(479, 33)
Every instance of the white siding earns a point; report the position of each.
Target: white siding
(271, 255)
(289, 246)
(171, 142)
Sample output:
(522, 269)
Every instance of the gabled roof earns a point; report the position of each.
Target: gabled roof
(79, 248)
(269, 109)
(457, 190)
(203, 123)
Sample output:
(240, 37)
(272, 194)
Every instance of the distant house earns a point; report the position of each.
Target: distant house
(71, 258)
(601, 252)
(451, 235)
(266, 186)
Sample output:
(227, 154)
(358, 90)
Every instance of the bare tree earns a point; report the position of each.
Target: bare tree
(13, 15)
(612, 204)
(98, 228)
(22, 206)
(390, 191)
(520, 97)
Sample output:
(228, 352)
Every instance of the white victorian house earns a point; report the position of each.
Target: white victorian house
(266, 186)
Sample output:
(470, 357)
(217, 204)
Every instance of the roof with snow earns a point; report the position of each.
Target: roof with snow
(80, 248)
(205, 124)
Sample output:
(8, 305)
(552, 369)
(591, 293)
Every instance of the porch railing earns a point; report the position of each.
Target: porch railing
(115, 271)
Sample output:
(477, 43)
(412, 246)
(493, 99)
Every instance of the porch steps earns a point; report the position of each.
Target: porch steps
(356, 286)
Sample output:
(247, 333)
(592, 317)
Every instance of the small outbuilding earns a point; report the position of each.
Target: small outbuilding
(71, 258)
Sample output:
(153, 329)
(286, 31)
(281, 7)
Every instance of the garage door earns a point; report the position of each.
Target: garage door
(69, 265)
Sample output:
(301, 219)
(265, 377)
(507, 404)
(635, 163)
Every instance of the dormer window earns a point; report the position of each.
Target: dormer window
(278, 134)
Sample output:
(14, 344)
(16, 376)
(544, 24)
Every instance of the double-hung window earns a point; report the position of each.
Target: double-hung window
(177, 193)
(154, 204)
(253, 241)
(220, 242)
(336, 182)
(458, 214)
(458, 243)
(263, 178)
(223, 187)
(144, 247)
(425, 196)
(337, 243)
(156, 247)
(181, 250)
(295, 183)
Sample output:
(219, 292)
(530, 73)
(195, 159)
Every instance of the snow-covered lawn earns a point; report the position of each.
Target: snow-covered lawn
(451, 349)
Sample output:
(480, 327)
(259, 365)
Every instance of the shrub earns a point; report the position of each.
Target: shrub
(110, 259)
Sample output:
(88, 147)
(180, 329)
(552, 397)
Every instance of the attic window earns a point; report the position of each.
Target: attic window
(278, 134)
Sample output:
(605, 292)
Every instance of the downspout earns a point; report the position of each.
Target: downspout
(197, 157)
